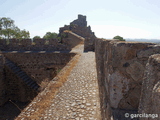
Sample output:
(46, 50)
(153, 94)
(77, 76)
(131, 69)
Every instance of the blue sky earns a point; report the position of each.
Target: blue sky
(107, 18)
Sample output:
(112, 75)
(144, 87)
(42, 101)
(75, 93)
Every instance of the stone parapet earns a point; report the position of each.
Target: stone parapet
(27, 45)
(120, 69)
(72, 39)
(150, 95)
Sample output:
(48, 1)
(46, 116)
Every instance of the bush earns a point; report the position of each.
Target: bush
(119, 38)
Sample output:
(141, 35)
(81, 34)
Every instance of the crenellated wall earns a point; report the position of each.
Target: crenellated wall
(28, 45)
(120, 70)
(80, 28)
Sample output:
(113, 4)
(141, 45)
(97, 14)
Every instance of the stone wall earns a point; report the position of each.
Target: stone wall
(16, 89)
(81, 21)
(28, 45)
(150, 95)
(72, 39)
(2, 84)
(79, 27)
(89, 44)
(40, 67)
(120, 70)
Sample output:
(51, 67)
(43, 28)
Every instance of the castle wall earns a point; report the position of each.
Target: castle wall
(25, 42)
(16, 89)
(79, 27)
(40, 66)
(120, 70)
(27, 45)
(3, 94)
(13, 42)
(89, 44)
(150, 95)
(72, 39)
(81, 21)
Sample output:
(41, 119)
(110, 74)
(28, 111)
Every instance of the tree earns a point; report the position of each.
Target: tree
(37, 37)
(7, 26)
(24, 34)
(8, 30)
(50, 35)
(119, 38)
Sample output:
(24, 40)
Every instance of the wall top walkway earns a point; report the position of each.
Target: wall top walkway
(78, 98)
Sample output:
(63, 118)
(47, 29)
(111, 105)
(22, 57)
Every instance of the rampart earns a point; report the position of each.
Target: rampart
(80, 28)
(72, 39)
(120, 70)
(40, 67)
(29, 45)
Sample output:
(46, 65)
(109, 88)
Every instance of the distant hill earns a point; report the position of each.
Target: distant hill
(144, 40)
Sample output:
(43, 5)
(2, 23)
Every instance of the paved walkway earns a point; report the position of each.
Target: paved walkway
(78, 98)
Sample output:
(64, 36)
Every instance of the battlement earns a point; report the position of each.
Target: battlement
(26, 41)
(29, 45)
(81, 21)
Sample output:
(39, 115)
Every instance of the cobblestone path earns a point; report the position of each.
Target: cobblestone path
(78, 98)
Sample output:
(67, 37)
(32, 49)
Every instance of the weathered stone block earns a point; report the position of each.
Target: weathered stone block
(53, 42)
(26, 42)
(135, 70)
(13, 42)
(39, 41)
(2, 41)
(150, 95)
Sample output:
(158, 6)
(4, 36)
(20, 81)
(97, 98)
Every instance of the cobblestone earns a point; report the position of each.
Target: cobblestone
(78, 98)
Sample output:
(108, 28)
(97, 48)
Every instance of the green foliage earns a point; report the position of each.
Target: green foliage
(36, 37)
(8, 30)
(20, 34)
(119, 38)
(50, 35)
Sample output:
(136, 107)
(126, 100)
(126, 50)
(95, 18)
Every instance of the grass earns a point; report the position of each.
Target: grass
(46, 98)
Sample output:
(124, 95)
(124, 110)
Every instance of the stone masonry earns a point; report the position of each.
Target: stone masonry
(80, 28)
(27, 45)
(2, 82)
(40, 67)
(77, 99)
(150, 95)
(81, 21)
(72, 39)
(127, 79)
(120, 70)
